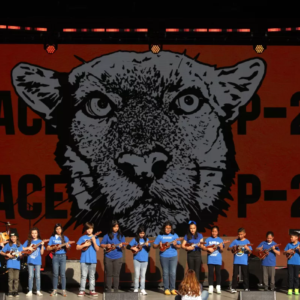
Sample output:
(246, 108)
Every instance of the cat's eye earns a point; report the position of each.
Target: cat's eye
(98, 107)
(188, 103)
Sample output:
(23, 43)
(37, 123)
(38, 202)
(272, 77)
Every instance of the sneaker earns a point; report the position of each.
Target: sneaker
(173, 292)
(29, 294)
(233, 291)
(136, 290)
(16, 294)
(93, 294)
(9, 295)
(210, 289)
(54, 293)
(81, 294)
(296, 291)
(64, 293)
(143, 292)
(290, 292)
(246, 290)
(218, 289)
(38, 293)
(167, 292)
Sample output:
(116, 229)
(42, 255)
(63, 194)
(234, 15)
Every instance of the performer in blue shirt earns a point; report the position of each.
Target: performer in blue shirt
(13, 263)
(113, 260)
(193, 252)
(240, 259)
(269, 263)
(88, 259)
(140, 259)
(214, 259)
(34, 260)
(59, 258)
(293, 263)
(168, 258)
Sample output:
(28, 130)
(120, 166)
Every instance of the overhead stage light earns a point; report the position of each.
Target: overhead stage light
(50, 48)
(155, 48)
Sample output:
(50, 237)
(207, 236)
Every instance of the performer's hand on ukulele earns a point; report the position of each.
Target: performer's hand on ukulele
(134, 249)
(146, 244)
(247, 248)
(86, 244)
(174, 243)
(10, 256)
(108, 246)
(160, 244)
(211, 250)
(120, 245)
(93, 239)
(221, 246)
(260, 248)
(1, 245)
(190, 248)
(273, 248)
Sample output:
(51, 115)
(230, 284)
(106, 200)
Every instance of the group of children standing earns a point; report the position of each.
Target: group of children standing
(114, 242)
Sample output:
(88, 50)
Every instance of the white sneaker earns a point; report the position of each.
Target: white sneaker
(29, 294)
(38, 293)
(233, 291)
(218, 289)
(136, 290)
(143, 292)
(210, 289)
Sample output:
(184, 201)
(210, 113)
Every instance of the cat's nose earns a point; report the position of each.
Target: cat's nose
(143, 169)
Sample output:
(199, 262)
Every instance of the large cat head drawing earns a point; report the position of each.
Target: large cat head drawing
(143, 137)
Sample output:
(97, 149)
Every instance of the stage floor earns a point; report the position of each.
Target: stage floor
(152, 295)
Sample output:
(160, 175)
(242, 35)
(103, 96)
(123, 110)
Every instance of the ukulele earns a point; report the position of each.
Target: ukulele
(193, 245)
(139, 247)
(289, 255)
(113, 247)
(90, 241)
(216, 246)
(15, 254)
(167, 245)
(264, 253)
(34, 246)
(57, 247)
(237, 248)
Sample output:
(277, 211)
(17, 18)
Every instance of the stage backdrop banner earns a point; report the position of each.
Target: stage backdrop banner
(203, 133)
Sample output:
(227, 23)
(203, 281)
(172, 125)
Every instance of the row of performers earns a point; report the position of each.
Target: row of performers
(114, 242)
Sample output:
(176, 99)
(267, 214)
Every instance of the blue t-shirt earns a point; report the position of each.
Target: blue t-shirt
(54, 240)
(143, 255)
(270, 260)
(90, 255)
(172, 251)
(117, 253)
(214, 258)
(240, 258)
(295, 259)
(194, 241)
(35, 258)
(15, 262)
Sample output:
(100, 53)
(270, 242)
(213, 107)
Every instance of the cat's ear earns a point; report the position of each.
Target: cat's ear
(40, 88)
(233, 87)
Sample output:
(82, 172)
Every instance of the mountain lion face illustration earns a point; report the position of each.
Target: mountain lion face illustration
(143, 137)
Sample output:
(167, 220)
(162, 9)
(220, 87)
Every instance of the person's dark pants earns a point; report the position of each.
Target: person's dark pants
(112, 270)
(245, 274)
(211, 269)
(13, 280)
(169, 266)
(194, 262)
(293, 273)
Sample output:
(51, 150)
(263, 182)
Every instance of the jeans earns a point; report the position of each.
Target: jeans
(169, 266)
(13, 280)
(85, 269)
(194, 262)
(293, 272)
(59, 262)
(112, 270)
(269, 273)
(204, 296)
(37, 276)
(244, 269)
(140, 267)
(211, 274)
